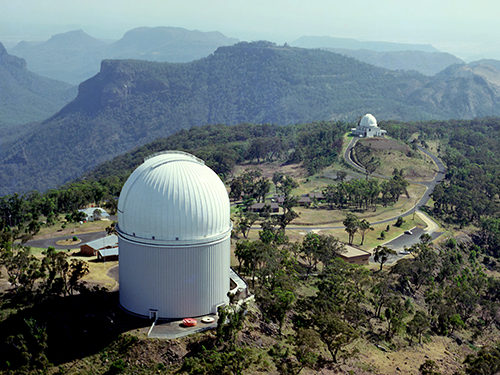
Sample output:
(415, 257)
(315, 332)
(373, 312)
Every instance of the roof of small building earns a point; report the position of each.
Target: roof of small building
(103, 242)
(262, 205)
(174, 196)
(109, 252)
(368, 120)
(90, 211)
(352, 252)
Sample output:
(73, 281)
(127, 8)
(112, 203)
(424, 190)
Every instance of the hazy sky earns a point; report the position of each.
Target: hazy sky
(456, 26)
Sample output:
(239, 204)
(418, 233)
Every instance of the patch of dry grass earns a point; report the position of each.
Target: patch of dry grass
(395, 154)
(56, 230)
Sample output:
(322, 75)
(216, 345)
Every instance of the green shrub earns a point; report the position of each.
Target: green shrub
(117, 367)
(400, 221)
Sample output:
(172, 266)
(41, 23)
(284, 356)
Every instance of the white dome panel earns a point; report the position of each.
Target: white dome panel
(173, 196)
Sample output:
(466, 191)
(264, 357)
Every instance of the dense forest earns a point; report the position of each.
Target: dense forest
(130, 103)
(314, 145)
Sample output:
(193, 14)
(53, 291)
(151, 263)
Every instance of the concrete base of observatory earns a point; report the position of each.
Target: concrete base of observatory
(174, 329)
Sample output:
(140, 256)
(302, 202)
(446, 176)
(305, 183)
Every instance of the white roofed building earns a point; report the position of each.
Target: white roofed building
(368, 127)
(92, 247)
(174, 233)
(94, 213)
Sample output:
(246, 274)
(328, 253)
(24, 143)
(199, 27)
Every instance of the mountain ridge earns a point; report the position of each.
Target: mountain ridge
(130, 102)
(75, 56)
(428, 63)
(350, 43)
(26, 97)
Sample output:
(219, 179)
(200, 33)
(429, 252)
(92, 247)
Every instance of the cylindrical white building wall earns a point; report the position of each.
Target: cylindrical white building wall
(174, 238)
(178, 282)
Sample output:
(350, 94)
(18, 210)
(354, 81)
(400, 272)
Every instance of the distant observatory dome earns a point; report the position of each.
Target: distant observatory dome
(174, 238)
(368, 120)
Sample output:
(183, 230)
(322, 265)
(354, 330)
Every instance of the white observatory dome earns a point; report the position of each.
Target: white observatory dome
(368, 120)
(174, 196)
(174, 232)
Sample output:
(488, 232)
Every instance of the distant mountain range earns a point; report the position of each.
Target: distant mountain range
(26, 96)
(130, 103)
(76, 56)
(428, 63)
(348, 43)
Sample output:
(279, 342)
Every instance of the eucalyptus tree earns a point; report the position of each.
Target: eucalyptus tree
(364, 227)
(351, 224)
(381, 255)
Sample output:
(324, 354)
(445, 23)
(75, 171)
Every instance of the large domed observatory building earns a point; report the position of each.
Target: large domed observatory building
(174, 233)
(368, 127)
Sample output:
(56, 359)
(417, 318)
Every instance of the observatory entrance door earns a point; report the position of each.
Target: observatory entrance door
(153, 314)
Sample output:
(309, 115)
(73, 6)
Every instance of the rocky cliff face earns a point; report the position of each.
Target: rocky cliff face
(9, 61)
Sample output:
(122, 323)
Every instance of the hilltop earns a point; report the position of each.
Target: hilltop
(436, 309)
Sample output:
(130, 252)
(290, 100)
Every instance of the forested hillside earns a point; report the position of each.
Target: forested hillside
(470, 193)
(25, 96)
(130, 103)
(313, 145)
(486, 69)
(435, 311)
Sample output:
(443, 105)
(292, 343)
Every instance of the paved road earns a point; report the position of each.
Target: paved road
(85, 237)
(405, 240)
(430, 185)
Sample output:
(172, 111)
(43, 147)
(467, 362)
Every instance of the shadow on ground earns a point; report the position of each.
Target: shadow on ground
(76, 326)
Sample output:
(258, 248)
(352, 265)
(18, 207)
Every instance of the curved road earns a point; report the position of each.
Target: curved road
(405, 239)
(397, 243)
(84, 237)
(430, 185)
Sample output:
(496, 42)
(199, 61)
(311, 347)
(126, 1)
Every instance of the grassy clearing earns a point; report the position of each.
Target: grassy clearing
(68, 242)
(98, 272)
(97, 268)
(323, 216)
(372, 238)
(395, 154)
(269, 168)
(57, 230)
